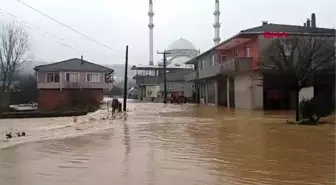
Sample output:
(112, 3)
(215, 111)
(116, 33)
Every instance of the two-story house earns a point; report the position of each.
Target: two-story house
(149, 80)
(229, 73)
(56, 81)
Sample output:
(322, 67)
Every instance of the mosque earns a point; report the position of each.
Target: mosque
(149, 77)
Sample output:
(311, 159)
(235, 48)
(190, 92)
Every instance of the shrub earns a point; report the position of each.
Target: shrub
(315, 108)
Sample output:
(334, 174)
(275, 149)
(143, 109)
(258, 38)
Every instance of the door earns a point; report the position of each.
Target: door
(221, 90)
(231, 92)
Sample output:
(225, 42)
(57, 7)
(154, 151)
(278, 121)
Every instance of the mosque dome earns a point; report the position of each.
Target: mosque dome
(181, 44)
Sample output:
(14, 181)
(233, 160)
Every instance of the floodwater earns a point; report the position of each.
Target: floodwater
(168, 144)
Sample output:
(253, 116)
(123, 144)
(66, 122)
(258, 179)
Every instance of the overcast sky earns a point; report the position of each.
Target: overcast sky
(117, 23)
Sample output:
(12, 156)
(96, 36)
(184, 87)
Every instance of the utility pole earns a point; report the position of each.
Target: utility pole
(125, 79)
(164, 74)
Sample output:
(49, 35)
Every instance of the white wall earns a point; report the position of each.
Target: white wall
(185, 87)
(258, 91)
(306, 93)
(242, 90)
(154, 89)
(248, 93)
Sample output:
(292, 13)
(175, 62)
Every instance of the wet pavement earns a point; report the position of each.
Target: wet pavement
(168, 144)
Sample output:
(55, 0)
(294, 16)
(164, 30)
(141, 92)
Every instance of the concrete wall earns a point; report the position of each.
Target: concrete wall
(248, 95)
(211, 88)
(306, 93)
(257, 91)
(51, 98)
(243, 98)
(186, 87)
(152, 91)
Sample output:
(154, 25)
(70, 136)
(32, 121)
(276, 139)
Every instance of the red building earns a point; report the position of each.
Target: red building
(229, 73)
(56, 81)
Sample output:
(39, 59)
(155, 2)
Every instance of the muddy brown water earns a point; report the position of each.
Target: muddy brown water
(169, 144)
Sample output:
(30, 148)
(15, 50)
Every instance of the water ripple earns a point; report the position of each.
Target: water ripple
(169, 144)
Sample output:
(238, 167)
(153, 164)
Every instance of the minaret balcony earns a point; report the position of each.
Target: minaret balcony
(150, 25)
(216, 13)
(150, 13)
(216, 25)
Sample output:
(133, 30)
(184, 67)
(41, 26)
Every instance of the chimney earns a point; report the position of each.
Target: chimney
(304, 24)
(264, 23)
(313, 20)
(82, 59)
(308, 23)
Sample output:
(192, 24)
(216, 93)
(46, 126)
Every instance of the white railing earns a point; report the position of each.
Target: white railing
(74, 85)
(48, 85)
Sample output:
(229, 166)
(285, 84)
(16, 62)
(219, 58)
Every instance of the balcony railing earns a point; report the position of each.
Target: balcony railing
(74, 85)
(148, 79)
(48, 85)
(239, 64)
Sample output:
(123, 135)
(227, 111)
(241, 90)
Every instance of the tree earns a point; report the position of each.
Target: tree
(13, 52)
(297, 59)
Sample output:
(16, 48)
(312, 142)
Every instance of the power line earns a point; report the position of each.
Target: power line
(44, 33)
(34, 28)
(59, 22)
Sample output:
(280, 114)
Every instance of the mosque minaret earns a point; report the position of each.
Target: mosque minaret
(181, 47)
(151, 26)
(217, 24)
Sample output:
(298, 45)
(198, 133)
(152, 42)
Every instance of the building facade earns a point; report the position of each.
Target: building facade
(149, 78)
(56, 81)
(229, 74)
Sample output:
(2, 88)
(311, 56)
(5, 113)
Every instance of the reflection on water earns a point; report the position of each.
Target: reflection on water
(169, 144)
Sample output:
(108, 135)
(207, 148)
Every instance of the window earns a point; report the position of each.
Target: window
(170, 85)
(224, 57)
(53, 77)
(212, 60)
(72, 77)
(247, 52)
(92, 77)
(202, 64)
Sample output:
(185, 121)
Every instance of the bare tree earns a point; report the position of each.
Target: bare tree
(297, 59)
(13, 52)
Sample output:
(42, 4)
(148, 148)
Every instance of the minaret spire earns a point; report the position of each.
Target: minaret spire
(217, 24)
(151, 26)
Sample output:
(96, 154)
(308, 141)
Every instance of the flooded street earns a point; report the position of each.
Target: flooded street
(168, 144)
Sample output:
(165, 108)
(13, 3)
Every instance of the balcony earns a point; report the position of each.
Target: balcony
(208, 72)
(87, 85)
(48, 85)
(238, 64)
(148, 80)
(74, 85)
